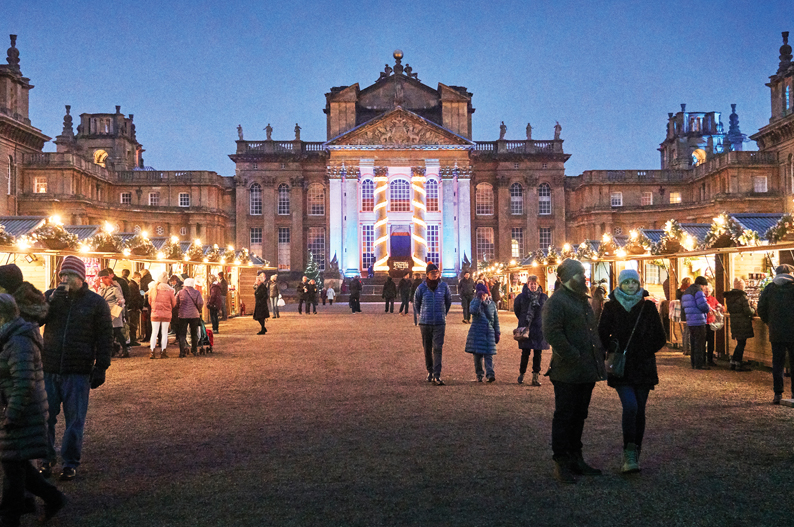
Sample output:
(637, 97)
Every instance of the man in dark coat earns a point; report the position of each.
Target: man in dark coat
(134, 307)
(389, 294)
(776, 309)
(466, 292)
(741, 316)
(261, 296)
(78, 336)
(577, 363)
(300, 291)
(404, 287)
(694, 308)
(224, 296)
(355, 294)
(528, 307)
(414, 286)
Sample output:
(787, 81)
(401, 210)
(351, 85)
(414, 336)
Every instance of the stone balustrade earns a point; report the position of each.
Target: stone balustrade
(526, 146)
(64, 160)
(280, 147)
(168, 176)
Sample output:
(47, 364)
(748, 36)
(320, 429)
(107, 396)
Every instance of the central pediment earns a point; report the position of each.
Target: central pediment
(400, 129)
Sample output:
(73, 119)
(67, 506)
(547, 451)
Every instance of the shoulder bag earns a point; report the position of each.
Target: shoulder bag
(521, 333)
(616, 359)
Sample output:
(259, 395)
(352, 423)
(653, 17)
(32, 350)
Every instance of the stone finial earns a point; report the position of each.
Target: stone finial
(785, 54)
(240, 132)
(735, 137)
(67, 122)
(118, 109)
(529, 132)
(398, 66)
(557, 131)
(683, 107)
(13, 54)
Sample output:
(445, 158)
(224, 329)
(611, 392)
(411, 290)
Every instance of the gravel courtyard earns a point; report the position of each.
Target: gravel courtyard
(328, 420)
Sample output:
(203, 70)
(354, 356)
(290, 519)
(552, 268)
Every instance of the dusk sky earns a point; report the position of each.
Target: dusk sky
(191, 71)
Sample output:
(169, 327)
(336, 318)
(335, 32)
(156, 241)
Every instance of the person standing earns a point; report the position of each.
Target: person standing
(301, 292)
(741, 317)
(432, 301)
(389, 294)
(30, 301)
(355, 294)
(78, 338)
(466, 291)
(414, 286)
(112, 293)
(633, 321)
(324, 295)
(311, 296)
(214, 304)
(484, 334)
(162, 301)
(224, 296)
(331, 295)
(577, 363)
(528, 307)
(496, 292)
(146, 310)
(134, 308)
(711, 317)
(23, 433)
(274, 292)
(776, 309)
(261, 296)
(598, 297)
(685, 339)
(694, 309)
(404, 288)
(189, 304)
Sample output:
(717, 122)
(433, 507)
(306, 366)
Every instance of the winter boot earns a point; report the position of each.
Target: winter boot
(152, 355)
(578, 466)
(535, 379)
(163, 355)
(631, 462)
(521, 379)
(562, 470)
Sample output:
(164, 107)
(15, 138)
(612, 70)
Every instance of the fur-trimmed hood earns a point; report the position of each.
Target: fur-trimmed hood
(31, 303)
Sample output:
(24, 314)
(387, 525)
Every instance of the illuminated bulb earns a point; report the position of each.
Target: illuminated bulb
(197, 241)
(215, 246)
(55, 219)
(606, 237)
(174, 239)
(512, 262)
(23, 243)
(126, 252)
(144, 234)
(83, 248)
(566, 247)
(109, 228)
(620, 253)
(634, 234)
(185, 258)
(160, 255)
(206, 260)
(237, 262)
(230, 247)
(534, 263)
(250, 264)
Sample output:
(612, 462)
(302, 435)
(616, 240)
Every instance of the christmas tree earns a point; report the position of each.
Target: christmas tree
(312, 272)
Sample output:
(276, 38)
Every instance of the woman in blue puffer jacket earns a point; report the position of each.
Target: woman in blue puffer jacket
(484, 333)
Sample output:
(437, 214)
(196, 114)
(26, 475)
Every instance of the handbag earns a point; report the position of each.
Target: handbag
(522, 333)
(280, 302)
(616, 359)
(719, 321)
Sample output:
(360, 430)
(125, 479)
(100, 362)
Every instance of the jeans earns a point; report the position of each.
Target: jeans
(738, 352)
(224, 308)
(389, 303)
(71, 391)
(522, 368)
(633, 399)
(433, 342)
(181, 334)
(404, 303)
(415, 313)
(20, 476)
(709, 343)
(273, 306)
(778, 363)
(478, 360)
(157, 328)
(697, 341)
(465, 301)
(571, 402)
(214, 319)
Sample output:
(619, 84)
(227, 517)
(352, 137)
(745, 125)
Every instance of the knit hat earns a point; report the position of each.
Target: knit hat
(482, 288)
(163, 278)
(74, 265)
(190, 282)
(10, 277)
(784, 269)
(568, 268)
(628, 274)
(701, 280)
(431, 267)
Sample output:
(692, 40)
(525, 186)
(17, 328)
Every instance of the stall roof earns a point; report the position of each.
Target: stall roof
(21, 225)
(82, 231)
(158, 242)
(697, 230)
(759, 223)
(655, 235)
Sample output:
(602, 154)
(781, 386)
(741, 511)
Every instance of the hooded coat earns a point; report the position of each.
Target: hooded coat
(261, 311)
(389, 289)
(694, 306)
(484, 327)
(31, 303)
(741, 314)
(776, 308)
(527, 303)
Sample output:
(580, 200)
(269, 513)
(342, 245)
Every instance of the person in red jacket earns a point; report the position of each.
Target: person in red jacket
(162, 302)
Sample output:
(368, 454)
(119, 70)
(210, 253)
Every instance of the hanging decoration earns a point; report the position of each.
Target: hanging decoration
(782, 230)
(52, 235)
(726, 232)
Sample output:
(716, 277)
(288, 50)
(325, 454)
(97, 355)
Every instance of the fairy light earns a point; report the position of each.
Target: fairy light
(23, 243)
(380, 240)
(174, 239)
(419, 205)
(620, 253)
(160, 255)
(384, 221)
(237, 262)
(109, 228)
(186, 258)
(634, 234)
(418, 239)
(83, 248)
(566, 247)
(420, 222)
(230, 247)
(126, 252)
(206, 260)
(144, 234)
(606, 238)
(512, 263)
(197, 242)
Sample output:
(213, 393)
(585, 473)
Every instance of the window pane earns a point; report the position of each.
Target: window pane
(647, 198)
(516, 199)
(40, 185)
(256, 235)
(367, 245)
(544, 199)
(675, 197)
(544, 237)
(433, 245)
(400, 195)
(432, 195)
(484, 199)
(517, 242)
(617, 199)
(759, 183)
(367, 195)
(126, 198)
(184, 199)
(256, 200)
(283, 248)
(316, 200)
(316, 239)
(484, 243)
(154, 199)
(283, 200)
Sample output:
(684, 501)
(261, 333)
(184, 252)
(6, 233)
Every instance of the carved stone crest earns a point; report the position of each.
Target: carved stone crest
(400, 128)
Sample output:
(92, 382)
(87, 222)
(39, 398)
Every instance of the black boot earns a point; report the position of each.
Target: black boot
(578, 466)
(562, 470)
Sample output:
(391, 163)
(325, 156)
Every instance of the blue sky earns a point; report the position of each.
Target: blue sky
(191, 71)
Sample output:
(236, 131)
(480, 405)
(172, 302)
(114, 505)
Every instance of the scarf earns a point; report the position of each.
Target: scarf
(626, 300)
(432, 284)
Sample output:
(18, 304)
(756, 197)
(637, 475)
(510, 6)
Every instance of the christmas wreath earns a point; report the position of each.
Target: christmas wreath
(780, 229)
(52, 235)
(140, 246)
(726, 232)
(5, 237)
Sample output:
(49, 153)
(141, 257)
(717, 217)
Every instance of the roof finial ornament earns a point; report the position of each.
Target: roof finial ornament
(67, 122)
(735, 137)
(785, 54)
(398, 57)
(13, 54)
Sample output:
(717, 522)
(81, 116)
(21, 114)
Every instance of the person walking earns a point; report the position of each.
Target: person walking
(189, 304)
(162, 301)
(694, 309)
(324, 295)
(432, 301)
(776, 309)
(30, 301)
(23, 433)
(224, 296)
(214, 304)
(311, 296)
(633, 321)
(355, 294)
(300, 290)
(113, 295)
(741, 320)
(577, 363)
(598, 297)
(404, 288)
(466, 292)
(261, 295)
(78, 338)
(331, 295)
(528, 307)
(414, 286)
(274, 293)
(484, 334)
(389, 294)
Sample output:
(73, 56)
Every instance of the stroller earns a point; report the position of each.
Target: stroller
(205, 339)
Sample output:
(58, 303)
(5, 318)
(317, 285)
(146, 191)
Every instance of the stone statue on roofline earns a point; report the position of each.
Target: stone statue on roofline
(557, 130)
(269, 131)
(297, 132)
(502, 131)
(240, 131)
(529, 132)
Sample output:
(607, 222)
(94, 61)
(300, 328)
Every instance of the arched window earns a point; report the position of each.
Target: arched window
(367, 195)
(432, 195)
(483, 199)
(544, 199)
(400, 196)
(99, 157)
(256, 200)
(283, 199)
(516, 198)
(316, 199)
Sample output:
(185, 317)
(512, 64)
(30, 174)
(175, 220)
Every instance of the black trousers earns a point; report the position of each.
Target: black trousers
(433, 344)
(118, 337)
(464, 302)
(18, 477)
(571, 403)
(697, 339)
(355, 302)
(522, 368)
(710, 338)
(181, 334)
(404, 303)
(389, 304)
(738, 352)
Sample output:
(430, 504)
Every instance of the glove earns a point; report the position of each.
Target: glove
(97, 378)
(60, 292)
(497, 337)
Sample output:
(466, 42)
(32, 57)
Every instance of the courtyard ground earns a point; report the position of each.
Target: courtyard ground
(328, 420)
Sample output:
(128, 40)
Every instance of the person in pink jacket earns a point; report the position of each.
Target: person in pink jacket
(162, 300)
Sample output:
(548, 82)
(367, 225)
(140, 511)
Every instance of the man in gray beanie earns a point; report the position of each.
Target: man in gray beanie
(775, 309)
(577, 363)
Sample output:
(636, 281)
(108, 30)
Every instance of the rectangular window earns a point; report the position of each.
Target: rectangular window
(544, 237)
(653, 274)
(759, 184)
(517, 242)
(675, 197)
(484, 243)
(647, 198)
(433, 245)
(256, 235)
(40, 185)
(367, 245)
(283, 248)
(616, 199)
(184, 199)
(154, 199)
(316, 244)
(126, 198)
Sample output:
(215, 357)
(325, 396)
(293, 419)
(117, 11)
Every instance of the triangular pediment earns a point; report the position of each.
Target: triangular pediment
(400, 129)
(398, 90)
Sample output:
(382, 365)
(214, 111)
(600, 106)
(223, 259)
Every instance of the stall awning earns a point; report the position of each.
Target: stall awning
(83, 232)
(21, 225)
(759, 223)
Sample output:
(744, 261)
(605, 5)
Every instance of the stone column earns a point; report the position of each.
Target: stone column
(335, 214)
(419, 234)
(503, 233)
(449, 238)
(465, 233)
(352, 253)
(297, 246)
(531, 241)
(241, 206)
(269, 234)
(381, 221)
